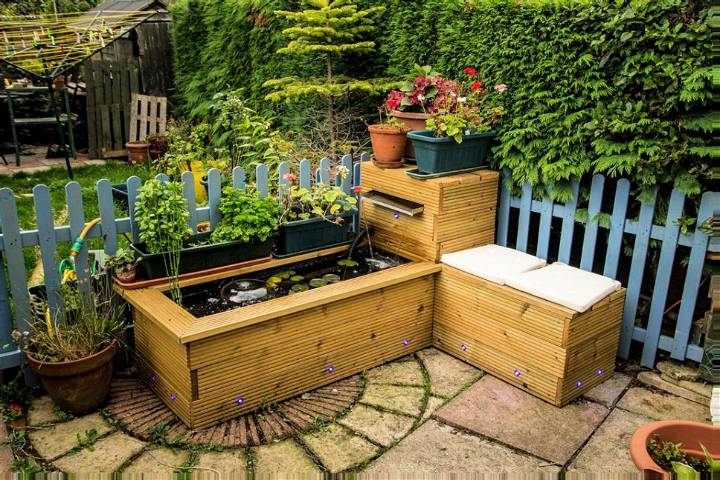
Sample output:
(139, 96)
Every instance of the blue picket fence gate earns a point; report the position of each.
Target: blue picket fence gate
(620, 229)
(15, 299)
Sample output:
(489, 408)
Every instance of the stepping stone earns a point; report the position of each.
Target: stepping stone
(160, 461)
(53, 441)
(448, 375)
(339, 449)
(6, 454)
(500, 411)
(380, 427)
(284, 458)
(225, 464)
(108, 454)
(678, 371)
(433, 404)
(438, 449)
(42, 411)
(607, 451)
(397, 373)
(610, 390)
(652, 379)
(662, 406)
(400, 399)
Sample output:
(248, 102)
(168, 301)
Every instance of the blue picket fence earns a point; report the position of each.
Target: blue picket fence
(15, 299)
(621, 231)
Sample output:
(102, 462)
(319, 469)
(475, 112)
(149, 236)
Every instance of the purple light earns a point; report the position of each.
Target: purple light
(330, 369)
(396, 215)
(172, 397)
(153, 378)
(579, 383)
(240, 401)
(406, 342)
(517, 372)
(600, 372)
(463, 347)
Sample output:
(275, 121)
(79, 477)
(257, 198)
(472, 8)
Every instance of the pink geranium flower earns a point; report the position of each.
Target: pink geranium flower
(500, 87)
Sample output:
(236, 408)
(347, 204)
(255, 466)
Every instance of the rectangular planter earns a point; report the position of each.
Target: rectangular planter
(202, 257)
(219, 366)
(437, 155)
(314, 233)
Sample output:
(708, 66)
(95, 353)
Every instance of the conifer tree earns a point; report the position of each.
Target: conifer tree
(327, 29)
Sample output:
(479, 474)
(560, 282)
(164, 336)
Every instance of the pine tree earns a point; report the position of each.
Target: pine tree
(328, 29)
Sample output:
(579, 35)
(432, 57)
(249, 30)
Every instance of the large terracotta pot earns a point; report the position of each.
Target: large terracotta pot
(414, 121)
(388, 143)
(690, 434)
(78, 386)
(137, 152)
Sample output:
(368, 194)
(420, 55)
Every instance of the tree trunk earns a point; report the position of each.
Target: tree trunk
(332, 119)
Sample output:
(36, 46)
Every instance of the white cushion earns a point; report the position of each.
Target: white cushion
(492, 262)
(569, 286)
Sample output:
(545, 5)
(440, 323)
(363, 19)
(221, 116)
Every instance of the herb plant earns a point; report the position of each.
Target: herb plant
(322, 200)
(124, 259)
(246, 216)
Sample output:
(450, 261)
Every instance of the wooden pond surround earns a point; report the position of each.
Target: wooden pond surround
(217, 367)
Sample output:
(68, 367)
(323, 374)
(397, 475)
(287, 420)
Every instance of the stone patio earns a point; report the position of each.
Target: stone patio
(424, 414)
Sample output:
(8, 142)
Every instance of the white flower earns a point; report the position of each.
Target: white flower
(462, 99)
(421, 97)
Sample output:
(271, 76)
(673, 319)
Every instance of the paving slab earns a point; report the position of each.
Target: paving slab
(338, 449)
(221, 465)
(381, 427)
(6, 454)
(42, 411)
(607, 450)
(498, 410)
(53, 441)
(406, 372)
(610, 390)
(400, 399)
(662, 406)
(284, 458)
(678, 370)
(108, 454)
(433, 404)
(436, 448)
(654, 380)
(160, 461)
(448, 375)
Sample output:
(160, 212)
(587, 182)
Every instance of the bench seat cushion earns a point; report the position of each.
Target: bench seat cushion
(492, 262)
(564, 285)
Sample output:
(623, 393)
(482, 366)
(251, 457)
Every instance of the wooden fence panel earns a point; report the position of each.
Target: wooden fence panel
(617, 228)
(48, 245)
(591, 226)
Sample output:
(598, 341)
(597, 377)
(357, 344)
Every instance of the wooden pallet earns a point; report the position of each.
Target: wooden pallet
(458, 211)
(549, 350)
(148, 116)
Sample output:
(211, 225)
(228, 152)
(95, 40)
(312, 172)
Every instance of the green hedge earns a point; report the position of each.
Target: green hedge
(610, 87)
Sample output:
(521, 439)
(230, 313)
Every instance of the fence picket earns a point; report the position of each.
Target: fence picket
(591, 225)
(238, 178)
(617, 228)
(524, 219)
(188, 181)
(305, 173)
(6, 324)
(546, 210)
(568, 225)
(283, 182)
(261, 180)
(48, 246)
(503, 211)
(76, 215)
(709, 203)
(637, 267)
(214, 194)
(346, 183)
(324, 171)
(107, 216)
(662, 278)
(14, 259)
(133, 185)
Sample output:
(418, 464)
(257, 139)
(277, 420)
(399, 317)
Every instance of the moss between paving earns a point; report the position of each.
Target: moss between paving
(339, 449)
(282, 458)
(381, 427)
(228, 463)
(42, 411)
(400, 399)
(107, 455)
(53, 441)
(158, 461)
(663, 406)
(448, 375)
(398, 373)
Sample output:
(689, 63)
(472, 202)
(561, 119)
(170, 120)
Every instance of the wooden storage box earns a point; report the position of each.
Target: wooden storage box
(217, 367)
(458, 211)
(547, 349)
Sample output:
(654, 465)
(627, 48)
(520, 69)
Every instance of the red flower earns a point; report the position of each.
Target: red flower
(476, 86)
(394, 100)
(470, 71)
(15, 407)
(357, 189)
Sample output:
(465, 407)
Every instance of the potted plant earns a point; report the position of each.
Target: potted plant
(682, 447)
(123, 265)
(73, 354)
(314, 217)
(137, 152)
(158, 145)
(460, 130)
(389, 140)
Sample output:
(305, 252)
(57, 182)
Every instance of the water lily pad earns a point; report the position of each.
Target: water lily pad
(274, 280)
(331, 278)
(299, 287)
(285, 275)
(317, 282)
(297, 278)
(346, 262)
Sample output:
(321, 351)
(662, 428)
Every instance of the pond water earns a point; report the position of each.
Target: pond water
(236, 292)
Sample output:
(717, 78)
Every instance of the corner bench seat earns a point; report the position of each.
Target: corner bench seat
(521, 327)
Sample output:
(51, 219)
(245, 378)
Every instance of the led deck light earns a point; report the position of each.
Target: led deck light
(517, 372)
(406, 342)
(330, 369)
(240, 401)
(172, 397)
(396, 215)
(153, 378)
(599, 372)
(579, 383)
(463, 347)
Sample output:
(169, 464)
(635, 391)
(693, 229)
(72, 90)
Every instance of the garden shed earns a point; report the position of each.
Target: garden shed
(139, 62)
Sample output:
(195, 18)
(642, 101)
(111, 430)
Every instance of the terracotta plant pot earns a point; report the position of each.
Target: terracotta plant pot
(388, 143)
(689, 434)
(137, 152)
(414, 121)
(78, 386)
(126, 275)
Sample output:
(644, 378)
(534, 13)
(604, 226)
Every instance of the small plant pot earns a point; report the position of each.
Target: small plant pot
(137, 152)
(689, 434)
(126, 275)
(78, 386)
(311, 234)
(439, 155)
(388, 143)
(414, 121)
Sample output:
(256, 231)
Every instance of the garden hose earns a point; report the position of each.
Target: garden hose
(80, 240)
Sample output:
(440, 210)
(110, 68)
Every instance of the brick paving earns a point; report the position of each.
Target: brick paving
(425, 414)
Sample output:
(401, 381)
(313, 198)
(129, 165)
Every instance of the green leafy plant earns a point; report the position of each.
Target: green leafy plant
(246, 216)
(422, 92)
(670, 457)
(161, 212)
(322, 200)
(124, 259)
(87, 441)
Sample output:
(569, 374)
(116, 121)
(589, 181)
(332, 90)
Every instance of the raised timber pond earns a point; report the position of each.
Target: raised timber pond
(221, 362)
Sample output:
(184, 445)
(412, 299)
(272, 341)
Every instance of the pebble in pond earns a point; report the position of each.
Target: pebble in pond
(213, 301)
(249, 295)
(378, 264)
